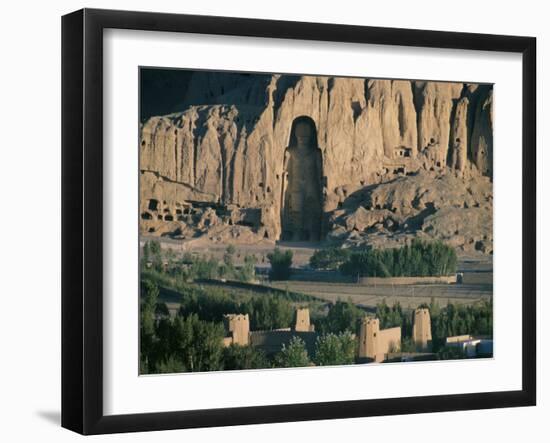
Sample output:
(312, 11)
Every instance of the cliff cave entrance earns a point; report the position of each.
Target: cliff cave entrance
(302, 203)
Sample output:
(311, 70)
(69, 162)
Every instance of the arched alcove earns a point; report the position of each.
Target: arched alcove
(302, 201)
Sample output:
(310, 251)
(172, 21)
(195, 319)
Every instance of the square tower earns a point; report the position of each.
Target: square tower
(368, 337)
(422, 330)
(237, 326)
(302, 321)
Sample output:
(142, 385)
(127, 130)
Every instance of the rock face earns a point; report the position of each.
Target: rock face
(482, 136)
(458, 151)
(435, 104)
(228, 150)
(442, 205)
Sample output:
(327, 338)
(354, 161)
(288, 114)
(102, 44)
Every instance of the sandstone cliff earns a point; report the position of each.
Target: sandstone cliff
(226, 150)
(429, 204)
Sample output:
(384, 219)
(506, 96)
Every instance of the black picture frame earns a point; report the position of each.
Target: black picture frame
(82, 217)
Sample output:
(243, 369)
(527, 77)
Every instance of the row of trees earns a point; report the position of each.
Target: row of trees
(266, 311)
(342, 316)
(190, 267)
(419, 259)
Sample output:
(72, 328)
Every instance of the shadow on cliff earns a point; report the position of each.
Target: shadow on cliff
(284, 83)
(363, 196)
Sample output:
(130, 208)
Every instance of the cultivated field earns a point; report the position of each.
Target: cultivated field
(409, 296)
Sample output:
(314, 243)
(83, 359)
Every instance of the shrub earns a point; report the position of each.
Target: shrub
(450, 353)
(280, 264)
(152, 254)
(244, 357)
(268, 312)
(294, 355)
(329, 258)
(332, 349)
(247, 272)
(208, 304)
(171, 365)
(342, 316)
(197, 344)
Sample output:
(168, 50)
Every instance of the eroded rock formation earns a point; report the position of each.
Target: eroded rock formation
(225, 152)
(440, 204)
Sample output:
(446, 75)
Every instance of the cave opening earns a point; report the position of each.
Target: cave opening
(302, 201)
(153, 204)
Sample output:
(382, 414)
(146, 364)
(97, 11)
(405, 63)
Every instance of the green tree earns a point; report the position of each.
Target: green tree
(198, 344)
(329, 258)
(365, 264)
(247, 272)
(268, 312)
(208, 304)
(456, 319)
(228, 256)
(450, 353)
(170, 255)
(393, 316)
(147, 324)
(150, 298)
(332, 349)
(408, 344)
(280, 264)
(161, 310)
(172, 365)
(342, 316)
(155, 254)
(146, 255)
(203, 268)
(294, 355)
(244, 357)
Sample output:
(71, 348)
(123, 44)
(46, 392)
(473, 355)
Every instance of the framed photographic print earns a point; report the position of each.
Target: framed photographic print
(269, 221)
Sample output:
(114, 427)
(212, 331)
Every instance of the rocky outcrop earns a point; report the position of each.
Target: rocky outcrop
(442, 205)
(362, 220)
(227, 148)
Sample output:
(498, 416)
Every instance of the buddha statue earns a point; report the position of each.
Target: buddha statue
(302, 184)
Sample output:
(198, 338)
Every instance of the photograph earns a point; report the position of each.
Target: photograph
(290, 220)
(246, 222)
